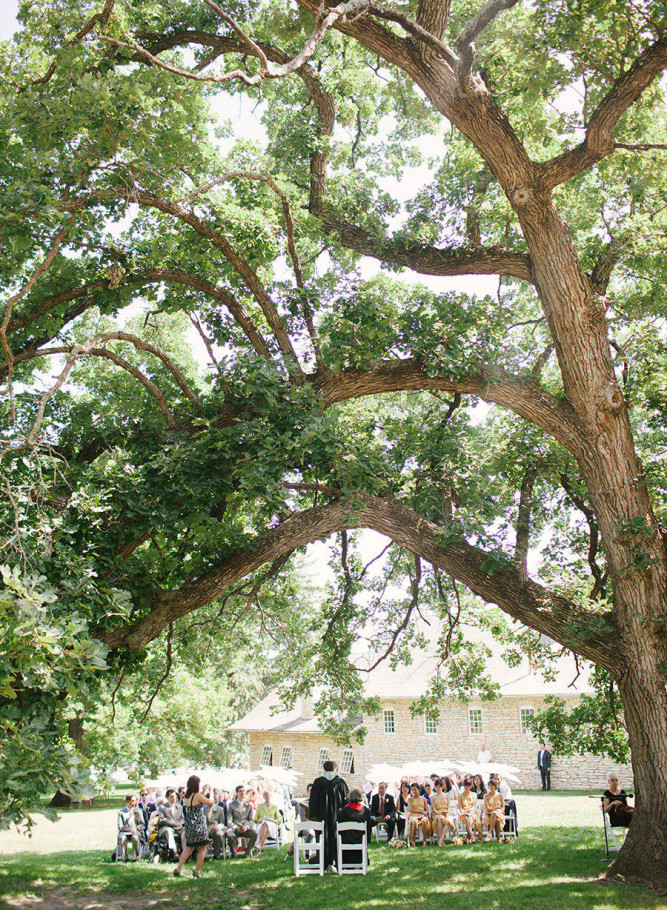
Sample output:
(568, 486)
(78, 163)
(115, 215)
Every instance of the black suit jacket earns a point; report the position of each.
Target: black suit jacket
(389, 806)
(546, 760)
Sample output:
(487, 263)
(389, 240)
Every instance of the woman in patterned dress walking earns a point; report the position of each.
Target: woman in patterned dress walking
(196, 826)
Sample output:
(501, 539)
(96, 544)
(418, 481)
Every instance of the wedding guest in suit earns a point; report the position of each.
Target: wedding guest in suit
(241, 815)
(128, 829)
(355, 811)
(544, 766)
(383, 809)
(218, 828)
(171, 820)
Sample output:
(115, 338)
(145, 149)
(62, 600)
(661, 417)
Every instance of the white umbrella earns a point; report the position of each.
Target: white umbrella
(419, 768)
(485, 769)
(383, 771)
(278, 775)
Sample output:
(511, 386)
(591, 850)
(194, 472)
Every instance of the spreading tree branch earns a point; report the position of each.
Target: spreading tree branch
(622, 95)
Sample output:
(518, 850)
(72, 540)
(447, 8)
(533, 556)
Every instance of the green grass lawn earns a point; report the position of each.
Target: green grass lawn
(555, 863)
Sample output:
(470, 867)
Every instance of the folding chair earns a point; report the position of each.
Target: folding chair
(301, 864)
(612, 833)
(380, 832)
(352, 867)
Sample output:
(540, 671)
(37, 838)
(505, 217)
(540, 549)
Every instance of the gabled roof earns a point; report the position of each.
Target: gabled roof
(410, 682)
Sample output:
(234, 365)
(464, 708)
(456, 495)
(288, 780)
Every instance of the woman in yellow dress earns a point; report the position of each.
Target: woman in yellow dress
(441, 818)
(267, 821)
(468, 810)
(494, 811)
(418, 815)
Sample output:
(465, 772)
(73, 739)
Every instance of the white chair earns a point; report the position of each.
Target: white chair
(302, 866)
(381, 833)
(612, 833)
(352, 867)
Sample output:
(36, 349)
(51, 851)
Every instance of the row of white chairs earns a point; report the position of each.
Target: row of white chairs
(345, 865)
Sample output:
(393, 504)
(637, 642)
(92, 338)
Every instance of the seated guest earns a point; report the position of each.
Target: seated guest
(267, 820)
(494, 811)
(441, 819)
(427, 791)
(171, 820)
(128, 829)
(615, 804)
(418, 815)
(251, 796)
(355, 811)
(217, 828)
(402, 807)
(383, 810)
(241, 815)
(468, 810)
(478, 786)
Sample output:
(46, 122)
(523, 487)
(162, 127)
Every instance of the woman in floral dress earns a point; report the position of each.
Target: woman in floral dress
(196, 826)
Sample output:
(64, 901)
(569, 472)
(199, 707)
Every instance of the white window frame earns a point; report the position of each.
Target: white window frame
(321, 758)
(267, 756)
(475, 722)
(432, 723)
(347, 761)
(286, 757)
(524, 711)
(389, 721)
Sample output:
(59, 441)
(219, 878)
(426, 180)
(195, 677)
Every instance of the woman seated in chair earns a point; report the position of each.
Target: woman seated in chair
(267, 821)
(615, 804)
(402, 807)
(441, 819)
(468, 810)
(418, 816)
(355, 810)
(494, 811)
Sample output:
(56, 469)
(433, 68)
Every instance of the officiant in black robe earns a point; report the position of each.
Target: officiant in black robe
(328, 795)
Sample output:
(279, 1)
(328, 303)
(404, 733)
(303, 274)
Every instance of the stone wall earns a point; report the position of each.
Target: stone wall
(453, 739)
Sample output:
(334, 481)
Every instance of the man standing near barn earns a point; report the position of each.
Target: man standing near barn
(544, 766)
(327, 796)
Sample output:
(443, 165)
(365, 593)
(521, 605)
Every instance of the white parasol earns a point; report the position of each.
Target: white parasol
(485, 769)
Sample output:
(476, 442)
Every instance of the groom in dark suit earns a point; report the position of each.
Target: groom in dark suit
(544, 766)
(383, 810)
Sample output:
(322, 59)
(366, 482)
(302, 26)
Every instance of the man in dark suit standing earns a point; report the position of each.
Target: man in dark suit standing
(544, 765)
(383, 810)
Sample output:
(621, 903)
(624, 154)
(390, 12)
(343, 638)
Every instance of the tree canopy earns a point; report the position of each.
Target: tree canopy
(335, 394)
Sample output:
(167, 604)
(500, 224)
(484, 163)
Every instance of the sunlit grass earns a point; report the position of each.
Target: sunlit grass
(554, 864)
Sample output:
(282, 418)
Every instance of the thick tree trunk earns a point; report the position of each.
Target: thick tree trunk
(642, 689)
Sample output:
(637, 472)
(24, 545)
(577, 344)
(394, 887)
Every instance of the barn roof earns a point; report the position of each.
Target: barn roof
(409, 681)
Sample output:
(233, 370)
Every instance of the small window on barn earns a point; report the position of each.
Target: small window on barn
(322, 757)
(430, 726)
(347, 762)
(475, 720)
(267, 756)
(286, 758)
(525, 718)
(389, 721)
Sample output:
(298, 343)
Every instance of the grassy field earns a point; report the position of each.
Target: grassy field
(555, 863)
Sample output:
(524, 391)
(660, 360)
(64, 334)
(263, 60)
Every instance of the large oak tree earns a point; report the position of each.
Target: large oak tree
(332, 399)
